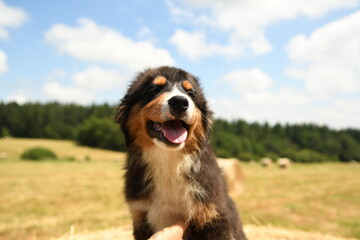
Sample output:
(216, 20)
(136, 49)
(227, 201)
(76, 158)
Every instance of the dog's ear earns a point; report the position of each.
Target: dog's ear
(208, 123)
(121, 116)
(132, 96)
(206, 113)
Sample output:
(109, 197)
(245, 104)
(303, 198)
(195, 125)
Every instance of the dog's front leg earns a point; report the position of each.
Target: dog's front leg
(138, 210)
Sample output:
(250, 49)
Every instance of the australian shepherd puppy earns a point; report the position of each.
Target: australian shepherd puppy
(172, 176)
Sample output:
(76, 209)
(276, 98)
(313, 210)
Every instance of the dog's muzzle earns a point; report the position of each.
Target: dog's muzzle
(178, 106)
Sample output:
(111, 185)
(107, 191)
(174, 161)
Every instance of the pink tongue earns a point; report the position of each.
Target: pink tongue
(174, 131)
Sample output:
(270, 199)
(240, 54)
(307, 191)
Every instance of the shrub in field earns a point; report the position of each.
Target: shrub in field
(5, 132)
(38, 153)
(69, 158)
(101, 133)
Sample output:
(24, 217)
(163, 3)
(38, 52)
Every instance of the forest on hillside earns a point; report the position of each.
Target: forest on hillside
(94, 126)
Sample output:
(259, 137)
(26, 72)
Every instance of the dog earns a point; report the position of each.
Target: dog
(171, 173)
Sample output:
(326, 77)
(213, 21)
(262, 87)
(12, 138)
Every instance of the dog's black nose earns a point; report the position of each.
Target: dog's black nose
(178, 105)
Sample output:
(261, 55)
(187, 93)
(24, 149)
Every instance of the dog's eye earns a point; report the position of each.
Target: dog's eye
(154, 89)
(191, 94)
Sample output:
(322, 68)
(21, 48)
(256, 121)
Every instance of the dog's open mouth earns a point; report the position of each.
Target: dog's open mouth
(173, 131)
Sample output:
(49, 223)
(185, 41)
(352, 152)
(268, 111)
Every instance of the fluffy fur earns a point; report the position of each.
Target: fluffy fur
(171, 171)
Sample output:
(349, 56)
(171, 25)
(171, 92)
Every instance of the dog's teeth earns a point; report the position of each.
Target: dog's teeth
(157, 127)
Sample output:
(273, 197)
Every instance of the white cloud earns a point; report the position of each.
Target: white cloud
(259, 111)
(94, 43)
(3, 62)
(325, 81)
(70, 94)
(245, 21)
(10, 17)
(248, 80)
(194, 46)
(256, 89)
(328, 63)
(97, 78)
(328, 60)
(284, 97)
(320, 45)
(247, 17)
(178, 13)
(55, 90)
(19, 96)
(338, 114)
(191, 45)
(93, 84)
(258, 99)
(145, 34)
(224, 108)
(55, 75)
(3, 34)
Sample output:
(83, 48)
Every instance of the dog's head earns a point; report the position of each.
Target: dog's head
(165, 107)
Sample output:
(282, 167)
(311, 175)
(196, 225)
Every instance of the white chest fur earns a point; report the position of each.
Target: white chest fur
(171, 199)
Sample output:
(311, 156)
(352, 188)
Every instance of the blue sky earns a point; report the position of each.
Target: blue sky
(276, 61)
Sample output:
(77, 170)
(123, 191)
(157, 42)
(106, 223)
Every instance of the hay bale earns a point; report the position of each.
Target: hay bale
(233, 174)
(80, 158)
(266, 162)
(284, 163)
(3, 155)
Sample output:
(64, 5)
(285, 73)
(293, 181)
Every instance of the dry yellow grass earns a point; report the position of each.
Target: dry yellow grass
(14, 147)
(252, 232)
(39, 200)
(311, 197)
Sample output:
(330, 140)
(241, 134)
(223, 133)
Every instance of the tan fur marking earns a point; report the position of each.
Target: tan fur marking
(187, 85)
(138, 210)
(196, 133)
(138, 119)
(170, 199)
(160, 81)
(204, 214)
(138, 217)
(152, 110)
(137, 127)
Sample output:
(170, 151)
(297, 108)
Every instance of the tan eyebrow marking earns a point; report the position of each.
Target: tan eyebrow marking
(160, 81)
(187, 85)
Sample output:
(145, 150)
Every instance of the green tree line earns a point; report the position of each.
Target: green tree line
(300, 142)
(89, 125)
(94, 126)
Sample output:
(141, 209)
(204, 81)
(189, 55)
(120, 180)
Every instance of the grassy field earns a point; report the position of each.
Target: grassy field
(39, 200)
(15, 146)
(315, 197)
